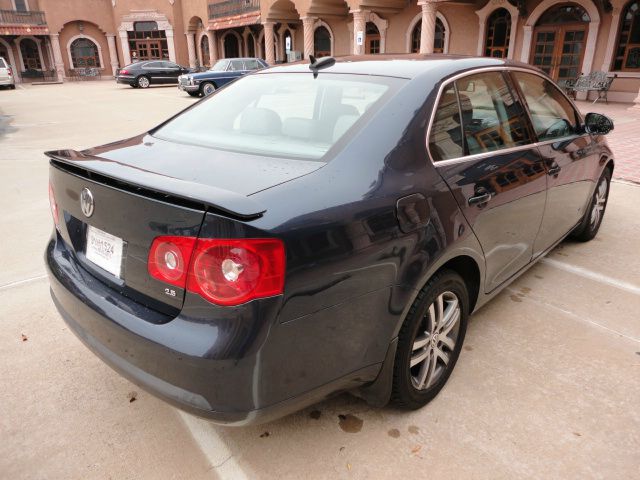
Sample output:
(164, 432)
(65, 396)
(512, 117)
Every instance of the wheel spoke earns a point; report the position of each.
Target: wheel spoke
(455, 317)
(432, 369)
(421, 342)
(449, 317)
(419, 357)
(439, 311)
(448, 342)
(442, 355)
(424, 370)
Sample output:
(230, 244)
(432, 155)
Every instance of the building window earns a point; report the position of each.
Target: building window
(204, 48)
(498, 34)
(84, 53)
(372, 39)
(146, 42)
(438, 41)
(21, 5)
(30, 54)
(628, 50)
(322, 42)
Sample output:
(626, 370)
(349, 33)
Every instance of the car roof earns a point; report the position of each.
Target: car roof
(401, 65)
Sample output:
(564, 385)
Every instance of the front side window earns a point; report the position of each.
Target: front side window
(237, 65)
(285, 115)
(552, 114)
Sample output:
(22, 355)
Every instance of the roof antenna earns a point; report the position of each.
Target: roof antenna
(319, 64)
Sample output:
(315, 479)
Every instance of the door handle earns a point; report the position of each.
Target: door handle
(554, 170)
(480, 199)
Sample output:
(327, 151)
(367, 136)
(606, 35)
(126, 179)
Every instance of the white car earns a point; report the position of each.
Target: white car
(7, 78)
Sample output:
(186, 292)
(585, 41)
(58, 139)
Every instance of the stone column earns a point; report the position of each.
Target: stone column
(170, 45)
(113, 53)
(124, 43)
(308, 30)
(428, 34)
(191, 48)
(359, 25)
(269, 42)
(57, 55)
(213, 47)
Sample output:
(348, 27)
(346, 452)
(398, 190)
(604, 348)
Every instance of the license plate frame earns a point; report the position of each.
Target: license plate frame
(104, 250)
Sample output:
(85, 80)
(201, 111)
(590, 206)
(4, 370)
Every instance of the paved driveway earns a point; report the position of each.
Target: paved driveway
(547, 386)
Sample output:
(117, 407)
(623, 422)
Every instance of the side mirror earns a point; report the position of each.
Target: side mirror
(597, 124)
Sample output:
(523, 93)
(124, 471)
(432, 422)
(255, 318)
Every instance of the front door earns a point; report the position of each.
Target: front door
(483, 147)
(559, 50)
(570, 154)
(148, 50)
(372, 44)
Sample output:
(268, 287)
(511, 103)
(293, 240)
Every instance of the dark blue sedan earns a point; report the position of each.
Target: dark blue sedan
(223, 72)
(313, 229)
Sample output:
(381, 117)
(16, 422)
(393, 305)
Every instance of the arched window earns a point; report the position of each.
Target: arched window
(628, 51)
(438, 41)
(322, 42)
(30, 54)
(84, 53)
(204, 48)
(498, 34)
(251, 46)
(372, 39)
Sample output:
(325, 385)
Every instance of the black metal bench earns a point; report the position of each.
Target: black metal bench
(594, 82)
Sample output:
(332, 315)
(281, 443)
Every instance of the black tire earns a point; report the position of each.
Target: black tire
(133, 85)
(589, 226)
(405, 393)
(12, 87)
(143, 81)
(204, 86)
(194, 94)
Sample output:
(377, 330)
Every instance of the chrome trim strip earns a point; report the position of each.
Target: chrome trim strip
(477, 156)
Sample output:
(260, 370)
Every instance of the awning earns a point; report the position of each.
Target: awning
(24, 30)
(252, 18)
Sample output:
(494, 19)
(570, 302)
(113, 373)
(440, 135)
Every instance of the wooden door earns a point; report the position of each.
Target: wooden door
(559, 51)
(372, 43)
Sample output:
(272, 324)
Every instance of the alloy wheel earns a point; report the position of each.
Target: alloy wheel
(599, 202)
(435, 341)
(143, 82)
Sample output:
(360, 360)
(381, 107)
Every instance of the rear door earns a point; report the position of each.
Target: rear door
(570, 155)
(172, 72)
(155, 71)
(483, 147)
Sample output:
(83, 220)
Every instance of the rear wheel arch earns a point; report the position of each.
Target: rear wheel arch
(610, 164)
(468, 269)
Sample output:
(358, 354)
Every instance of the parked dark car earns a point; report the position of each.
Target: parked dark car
(304, 232)
(153, 72)
(222, 72)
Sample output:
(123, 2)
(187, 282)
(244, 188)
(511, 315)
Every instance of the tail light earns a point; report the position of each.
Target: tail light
(9, 71)
(54, 207)
(222, 271)
(124, 72)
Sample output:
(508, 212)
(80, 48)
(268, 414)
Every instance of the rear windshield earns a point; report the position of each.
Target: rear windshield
(285, 114)
(2, 64)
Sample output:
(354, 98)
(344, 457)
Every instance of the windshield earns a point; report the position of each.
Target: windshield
(219, 66)
(286, 114)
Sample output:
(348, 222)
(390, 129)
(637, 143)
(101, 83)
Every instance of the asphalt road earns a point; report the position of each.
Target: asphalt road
(547, 386)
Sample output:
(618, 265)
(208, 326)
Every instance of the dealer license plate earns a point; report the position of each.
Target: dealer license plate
(105, 250)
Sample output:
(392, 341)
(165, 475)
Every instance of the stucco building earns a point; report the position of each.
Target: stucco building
(55, 38)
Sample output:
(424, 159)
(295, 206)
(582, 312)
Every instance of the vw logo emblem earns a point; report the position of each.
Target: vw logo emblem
(86, 202)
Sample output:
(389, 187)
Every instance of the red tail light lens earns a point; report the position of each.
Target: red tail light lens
(231, 272)
(124, 72)
(169, 259)
(222, 271)
(9, 71)
(54, 207)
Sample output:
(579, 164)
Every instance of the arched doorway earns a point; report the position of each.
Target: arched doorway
(287, 44)
(205, 52)
(231, 46)
(322, 42)
(559, 41)
(30, 54)
(498, 34)
(372, 39)
(84, 53)
(251, 46)
(438, 39)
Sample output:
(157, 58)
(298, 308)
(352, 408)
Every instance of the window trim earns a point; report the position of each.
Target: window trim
(624, 10)
(476, 156)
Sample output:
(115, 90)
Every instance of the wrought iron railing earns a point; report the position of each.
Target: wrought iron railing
(229, 8)
(13, 17)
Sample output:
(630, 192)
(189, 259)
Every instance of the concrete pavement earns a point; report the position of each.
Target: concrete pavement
(547, 385)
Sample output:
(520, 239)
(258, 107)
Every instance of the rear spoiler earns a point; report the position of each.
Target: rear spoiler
(155, 185)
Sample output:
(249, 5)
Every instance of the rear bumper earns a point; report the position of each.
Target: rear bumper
(126, 79)
(7, 81)
(217, 368)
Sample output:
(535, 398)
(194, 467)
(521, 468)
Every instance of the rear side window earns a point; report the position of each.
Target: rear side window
(288, 115)
(478, 114)
(552, 114)
(2, 64)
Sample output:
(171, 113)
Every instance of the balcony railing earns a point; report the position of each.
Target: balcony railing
(13, 17)
(230, 8)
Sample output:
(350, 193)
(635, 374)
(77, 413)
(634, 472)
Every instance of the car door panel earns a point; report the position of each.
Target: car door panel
(570, 156)
(499, 179)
